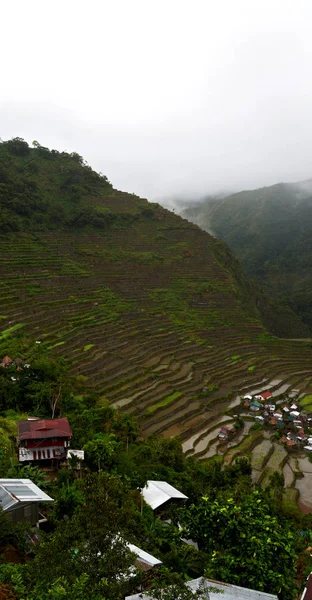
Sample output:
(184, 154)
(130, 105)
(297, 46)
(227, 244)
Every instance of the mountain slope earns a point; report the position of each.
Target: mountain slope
(270, 231)
(152, 312)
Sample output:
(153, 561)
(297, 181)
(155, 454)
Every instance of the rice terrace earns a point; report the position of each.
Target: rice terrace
(149, 311)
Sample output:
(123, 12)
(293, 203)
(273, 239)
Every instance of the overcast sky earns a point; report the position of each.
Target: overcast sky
(164, 97)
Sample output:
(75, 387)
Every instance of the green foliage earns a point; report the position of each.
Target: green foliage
(101, 451)
(306, 402)
(163, 403)
(256, 427)
(88, 347)
(33, 472)
(245, 541)
(23, 171)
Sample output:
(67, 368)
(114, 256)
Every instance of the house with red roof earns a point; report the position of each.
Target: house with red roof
(264, 396)
(43, 439)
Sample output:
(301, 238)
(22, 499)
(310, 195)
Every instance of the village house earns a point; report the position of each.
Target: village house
(6, 362)
(255, 406)
(43, 439)
(160, 494)
(225, 432)
(264, 396)
(294, 413)
(10, 362)
(19, 500)
(278, 414)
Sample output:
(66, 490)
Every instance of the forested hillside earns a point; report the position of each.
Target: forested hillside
(269, 230)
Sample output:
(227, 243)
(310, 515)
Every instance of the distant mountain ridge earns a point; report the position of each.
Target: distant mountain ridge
(270, 232)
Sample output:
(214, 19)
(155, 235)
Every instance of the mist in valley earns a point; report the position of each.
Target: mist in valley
(173, 101)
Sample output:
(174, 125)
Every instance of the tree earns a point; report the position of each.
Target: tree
(101, 450)
(89, 546)
(32, 472)
(18, 146)
(245, 542)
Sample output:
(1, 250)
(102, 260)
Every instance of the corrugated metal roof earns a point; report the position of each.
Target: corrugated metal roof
(266, 395)
(44, 428)
(229, 592)
(156, 493)
(17, 491)
(143, 556)
(6, 500)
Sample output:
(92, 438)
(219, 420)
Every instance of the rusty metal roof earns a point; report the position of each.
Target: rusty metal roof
(44, 428)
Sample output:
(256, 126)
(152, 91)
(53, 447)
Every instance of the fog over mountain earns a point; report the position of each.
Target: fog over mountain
(167, 98)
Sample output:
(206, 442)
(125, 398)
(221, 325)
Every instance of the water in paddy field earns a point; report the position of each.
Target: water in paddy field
(288, 475)
(235, 402)
(190, 443)
(304, 484)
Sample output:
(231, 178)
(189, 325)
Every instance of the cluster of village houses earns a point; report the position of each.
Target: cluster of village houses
(285, 417)
(17, 362)
(45, 442)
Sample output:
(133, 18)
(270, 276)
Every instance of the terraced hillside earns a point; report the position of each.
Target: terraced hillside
(154, 313)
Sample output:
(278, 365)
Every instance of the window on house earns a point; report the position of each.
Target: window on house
(35, 455)
(48, 453)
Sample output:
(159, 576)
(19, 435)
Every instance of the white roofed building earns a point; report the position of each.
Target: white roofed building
(225, 591)
(159, 493)
(145, 561)
(19, 499)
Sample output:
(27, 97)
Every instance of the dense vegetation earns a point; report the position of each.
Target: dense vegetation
(246, 536)
(270, 231)
(119, 305)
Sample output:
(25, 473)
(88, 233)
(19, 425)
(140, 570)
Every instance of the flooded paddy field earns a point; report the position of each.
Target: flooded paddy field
(260, 444)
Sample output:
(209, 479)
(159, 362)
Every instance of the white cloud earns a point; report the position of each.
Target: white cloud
(163, 97)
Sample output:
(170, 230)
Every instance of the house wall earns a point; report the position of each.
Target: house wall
(45, 443)
(28, 513)
(41, 453)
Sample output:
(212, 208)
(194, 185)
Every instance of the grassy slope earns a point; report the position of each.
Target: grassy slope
(143, 304)
(270, 231)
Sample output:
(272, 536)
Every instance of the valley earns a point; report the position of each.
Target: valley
(149, 311)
